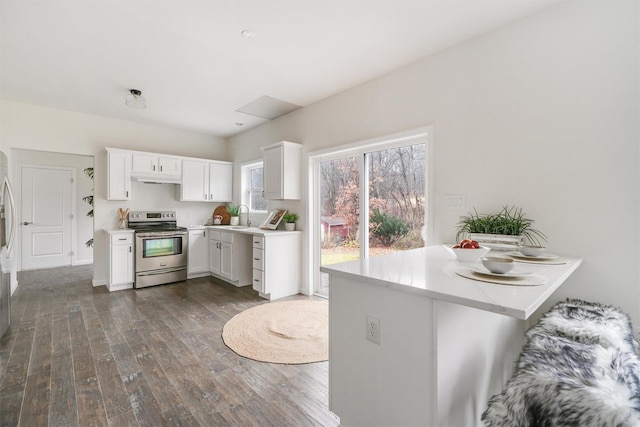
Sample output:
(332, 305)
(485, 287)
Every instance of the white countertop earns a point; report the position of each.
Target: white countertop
(430, 272)
(118, 230)
(249, 230)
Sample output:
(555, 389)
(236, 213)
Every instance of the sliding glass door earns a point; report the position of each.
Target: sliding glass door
(369, 201)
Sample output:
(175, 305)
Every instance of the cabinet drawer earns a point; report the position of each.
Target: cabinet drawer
(122, 239)
(258, 259)
(258, 281)
(226, 237)
(214, 234)
(258, 242)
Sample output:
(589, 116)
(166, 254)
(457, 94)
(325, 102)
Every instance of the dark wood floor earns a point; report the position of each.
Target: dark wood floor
(76, 355)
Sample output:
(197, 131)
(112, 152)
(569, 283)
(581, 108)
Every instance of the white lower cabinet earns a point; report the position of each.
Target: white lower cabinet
(121, 256)
(198, 264)
(276, 273)
(227, 256)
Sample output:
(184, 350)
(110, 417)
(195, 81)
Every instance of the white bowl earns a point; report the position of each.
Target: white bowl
(498, 265)
(529, 250)
(468, 255)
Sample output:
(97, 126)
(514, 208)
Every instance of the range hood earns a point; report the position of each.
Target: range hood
(156, 178)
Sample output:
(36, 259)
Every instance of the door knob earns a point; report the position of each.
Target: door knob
(26, 223)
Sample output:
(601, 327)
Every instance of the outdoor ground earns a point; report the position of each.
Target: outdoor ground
(341, 254)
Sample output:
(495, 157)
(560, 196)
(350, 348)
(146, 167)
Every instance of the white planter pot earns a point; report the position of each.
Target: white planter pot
(498, 242)
(235, 220)
(290, 226)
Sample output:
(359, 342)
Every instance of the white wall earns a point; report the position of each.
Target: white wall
(542, 114)
(31, 127)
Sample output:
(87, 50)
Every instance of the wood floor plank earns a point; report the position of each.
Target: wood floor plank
(114, 393)
(145, 406)
(41, 351)
(15, 376)
(91, 411)
(83, 366)
(35, 410)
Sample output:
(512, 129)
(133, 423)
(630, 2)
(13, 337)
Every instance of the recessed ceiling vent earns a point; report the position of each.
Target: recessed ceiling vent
(268, 108)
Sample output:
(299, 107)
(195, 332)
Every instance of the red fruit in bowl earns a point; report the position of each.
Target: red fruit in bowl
(468, 245)
(475, 244)
(456, 247)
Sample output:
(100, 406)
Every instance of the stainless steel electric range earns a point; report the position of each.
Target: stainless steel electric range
(161, 248)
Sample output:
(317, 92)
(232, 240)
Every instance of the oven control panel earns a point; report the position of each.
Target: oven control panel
(142, 216)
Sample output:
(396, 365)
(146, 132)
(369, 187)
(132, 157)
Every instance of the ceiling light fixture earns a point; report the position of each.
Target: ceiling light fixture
(135, 99)
(248, 34)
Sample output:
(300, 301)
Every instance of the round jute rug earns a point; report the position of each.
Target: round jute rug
(289, 332)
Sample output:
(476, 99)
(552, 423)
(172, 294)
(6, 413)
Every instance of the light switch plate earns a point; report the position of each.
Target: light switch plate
(455, 201)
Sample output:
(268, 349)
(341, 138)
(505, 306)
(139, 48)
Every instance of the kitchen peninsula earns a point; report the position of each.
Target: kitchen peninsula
(447, 343)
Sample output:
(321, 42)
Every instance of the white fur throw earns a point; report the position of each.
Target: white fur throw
(578, 367)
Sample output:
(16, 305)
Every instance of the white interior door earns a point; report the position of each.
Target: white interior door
(46, 222)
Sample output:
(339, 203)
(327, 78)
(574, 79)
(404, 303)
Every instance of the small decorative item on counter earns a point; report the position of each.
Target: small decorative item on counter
(234, 211)
(290, 221)
(469, 250)
(217, 219)
(122, 216)
(221, 211)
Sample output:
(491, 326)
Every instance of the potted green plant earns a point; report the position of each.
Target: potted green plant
(290, 221)
(234, 211)
(505, 229)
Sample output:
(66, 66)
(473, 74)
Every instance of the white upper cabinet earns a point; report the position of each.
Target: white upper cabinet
(119, 175)
(220, 181)
(282, 168)
(150, 163)
(206, 181)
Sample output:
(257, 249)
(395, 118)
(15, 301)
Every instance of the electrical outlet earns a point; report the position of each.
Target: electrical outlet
(455, 201)
(373, 329)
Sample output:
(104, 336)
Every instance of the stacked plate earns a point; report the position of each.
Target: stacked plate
(540, 259)
(515, 277)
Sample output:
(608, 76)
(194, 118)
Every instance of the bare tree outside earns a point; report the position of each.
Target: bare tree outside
(396, 203)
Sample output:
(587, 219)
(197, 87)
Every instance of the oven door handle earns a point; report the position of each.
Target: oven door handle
(162, 234)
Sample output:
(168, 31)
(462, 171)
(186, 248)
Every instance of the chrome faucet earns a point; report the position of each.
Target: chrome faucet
(248, 219)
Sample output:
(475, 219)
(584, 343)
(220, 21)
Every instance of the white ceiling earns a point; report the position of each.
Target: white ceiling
(195, 69)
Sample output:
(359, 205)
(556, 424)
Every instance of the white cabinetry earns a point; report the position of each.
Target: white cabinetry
(150, 163)
(119, 175)
(228, 252)
(276, 267)
(121, 273)
(282, 169)
(206, 181)
(198, 264)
